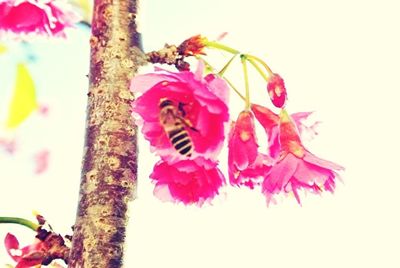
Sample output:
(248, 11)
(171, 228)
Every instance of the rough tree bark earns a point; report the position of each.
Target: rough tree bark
(109, 171)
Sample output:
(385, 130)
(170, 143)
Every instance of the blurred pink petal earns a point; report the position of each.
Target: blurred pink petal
(222, 36)
(41, 161)
(48, 17)
(43, 109)
(9, 146)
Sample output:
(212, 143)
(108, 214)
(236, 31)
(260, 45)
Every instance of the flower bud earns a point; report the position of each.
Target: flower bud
(277, 91)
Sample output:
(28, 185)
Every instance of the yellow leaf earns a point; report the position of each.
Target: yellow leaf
(3, 48)
(23, 102)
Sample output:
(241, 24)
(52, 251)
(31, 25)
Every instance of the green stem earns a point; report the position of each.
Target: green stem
(234, 88)
(230, 83)
(262, 63)
(221, 47)
(20, 221)
(255, 65)
(246, 81)
(221, 73)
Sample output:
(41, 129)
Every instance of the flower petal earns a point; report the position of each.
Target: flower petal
(11, 243)
(280, 174)
(186, 181)
(310, 158)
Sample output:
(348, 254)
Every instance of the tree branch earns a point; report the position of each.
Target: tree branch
(109, 171)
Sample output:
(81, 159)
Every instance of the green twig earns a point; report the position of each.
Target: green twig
(251, 57)
(223, 70)
(221, 47)
(246, 81)
(223, 77)
(255, 65)
(234, 88)
(20, 221)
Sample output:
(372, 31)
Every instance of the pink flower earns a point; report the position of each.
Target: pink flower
(296, 167)
(277, 91)
(27, 256)
(270, 122)
(181, 103)
(187, 181)
(246, 166)
(49, 17)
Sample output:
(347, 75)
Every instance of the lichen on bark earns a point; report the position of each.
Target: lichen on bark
(109, 171)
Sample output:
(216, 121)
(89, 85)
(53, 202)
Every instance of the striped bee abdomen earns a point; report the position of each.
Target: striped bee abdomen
(181, 141)
(174, 124)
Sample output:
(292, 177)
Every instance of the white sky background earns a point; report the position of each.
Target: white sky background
(338, 58)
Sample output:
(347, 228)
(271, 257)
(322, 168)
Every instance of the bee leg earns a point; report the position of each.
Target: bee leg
(187, 123)
(180, 108)
(194, 129)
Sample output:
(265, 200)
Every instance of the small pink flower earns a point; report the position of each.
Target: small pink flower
(199, 106)
(277, 91)
(27, 256)
(187, 181)
(246, 166)
(49, 17)
(296, 167)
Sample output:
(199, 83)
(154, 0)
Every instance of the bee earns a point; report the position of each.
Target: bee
(172, 118)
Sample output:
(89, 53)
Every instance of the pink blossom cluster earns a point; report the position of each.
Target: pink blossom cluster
(185, 110)
(198, 106)
(45, 17)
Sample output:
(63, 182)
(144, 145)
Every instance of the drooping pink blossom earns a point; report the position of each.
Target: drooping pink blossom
(200, 106)
(187, 181)
(270, 122)
(45, 17)
(246, 166)
(27, 256)
(277, 90)
(296, 168)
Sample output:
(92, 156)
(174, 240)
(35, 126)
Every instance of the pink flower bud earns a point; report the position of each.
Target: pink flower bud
(277, 91)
